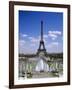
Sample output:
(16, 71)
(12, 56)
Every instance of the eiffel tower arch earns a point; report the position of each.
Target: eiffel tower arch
(41, 44)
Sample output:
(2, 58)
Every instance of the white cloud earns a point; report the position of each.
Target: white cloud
(33, 44)
(27, 48)
(54, 47)
(54, 34)
(53, 44)
(34, 40)
(21, 43)
(45, 36)
(30, 38)
(23, 35)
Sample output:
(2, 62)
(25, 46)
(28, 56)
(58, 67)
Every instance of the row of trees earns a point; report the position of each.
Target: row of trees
(52, 55)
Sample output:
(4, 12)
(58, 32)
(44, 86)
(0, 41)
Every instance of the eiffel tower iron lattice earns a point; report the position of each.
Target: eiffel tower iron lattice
(41, 45)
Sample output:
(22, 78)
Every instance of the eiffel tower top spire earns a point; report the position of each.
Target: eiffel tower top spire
(41, 30)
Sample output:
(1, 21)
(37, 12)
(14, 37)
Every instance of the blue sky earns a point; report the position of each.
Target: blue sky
(29, 31)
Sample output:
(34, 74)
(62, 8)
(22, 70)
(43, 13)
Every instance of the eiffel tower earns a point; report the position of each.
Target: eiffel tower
(41, 45)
